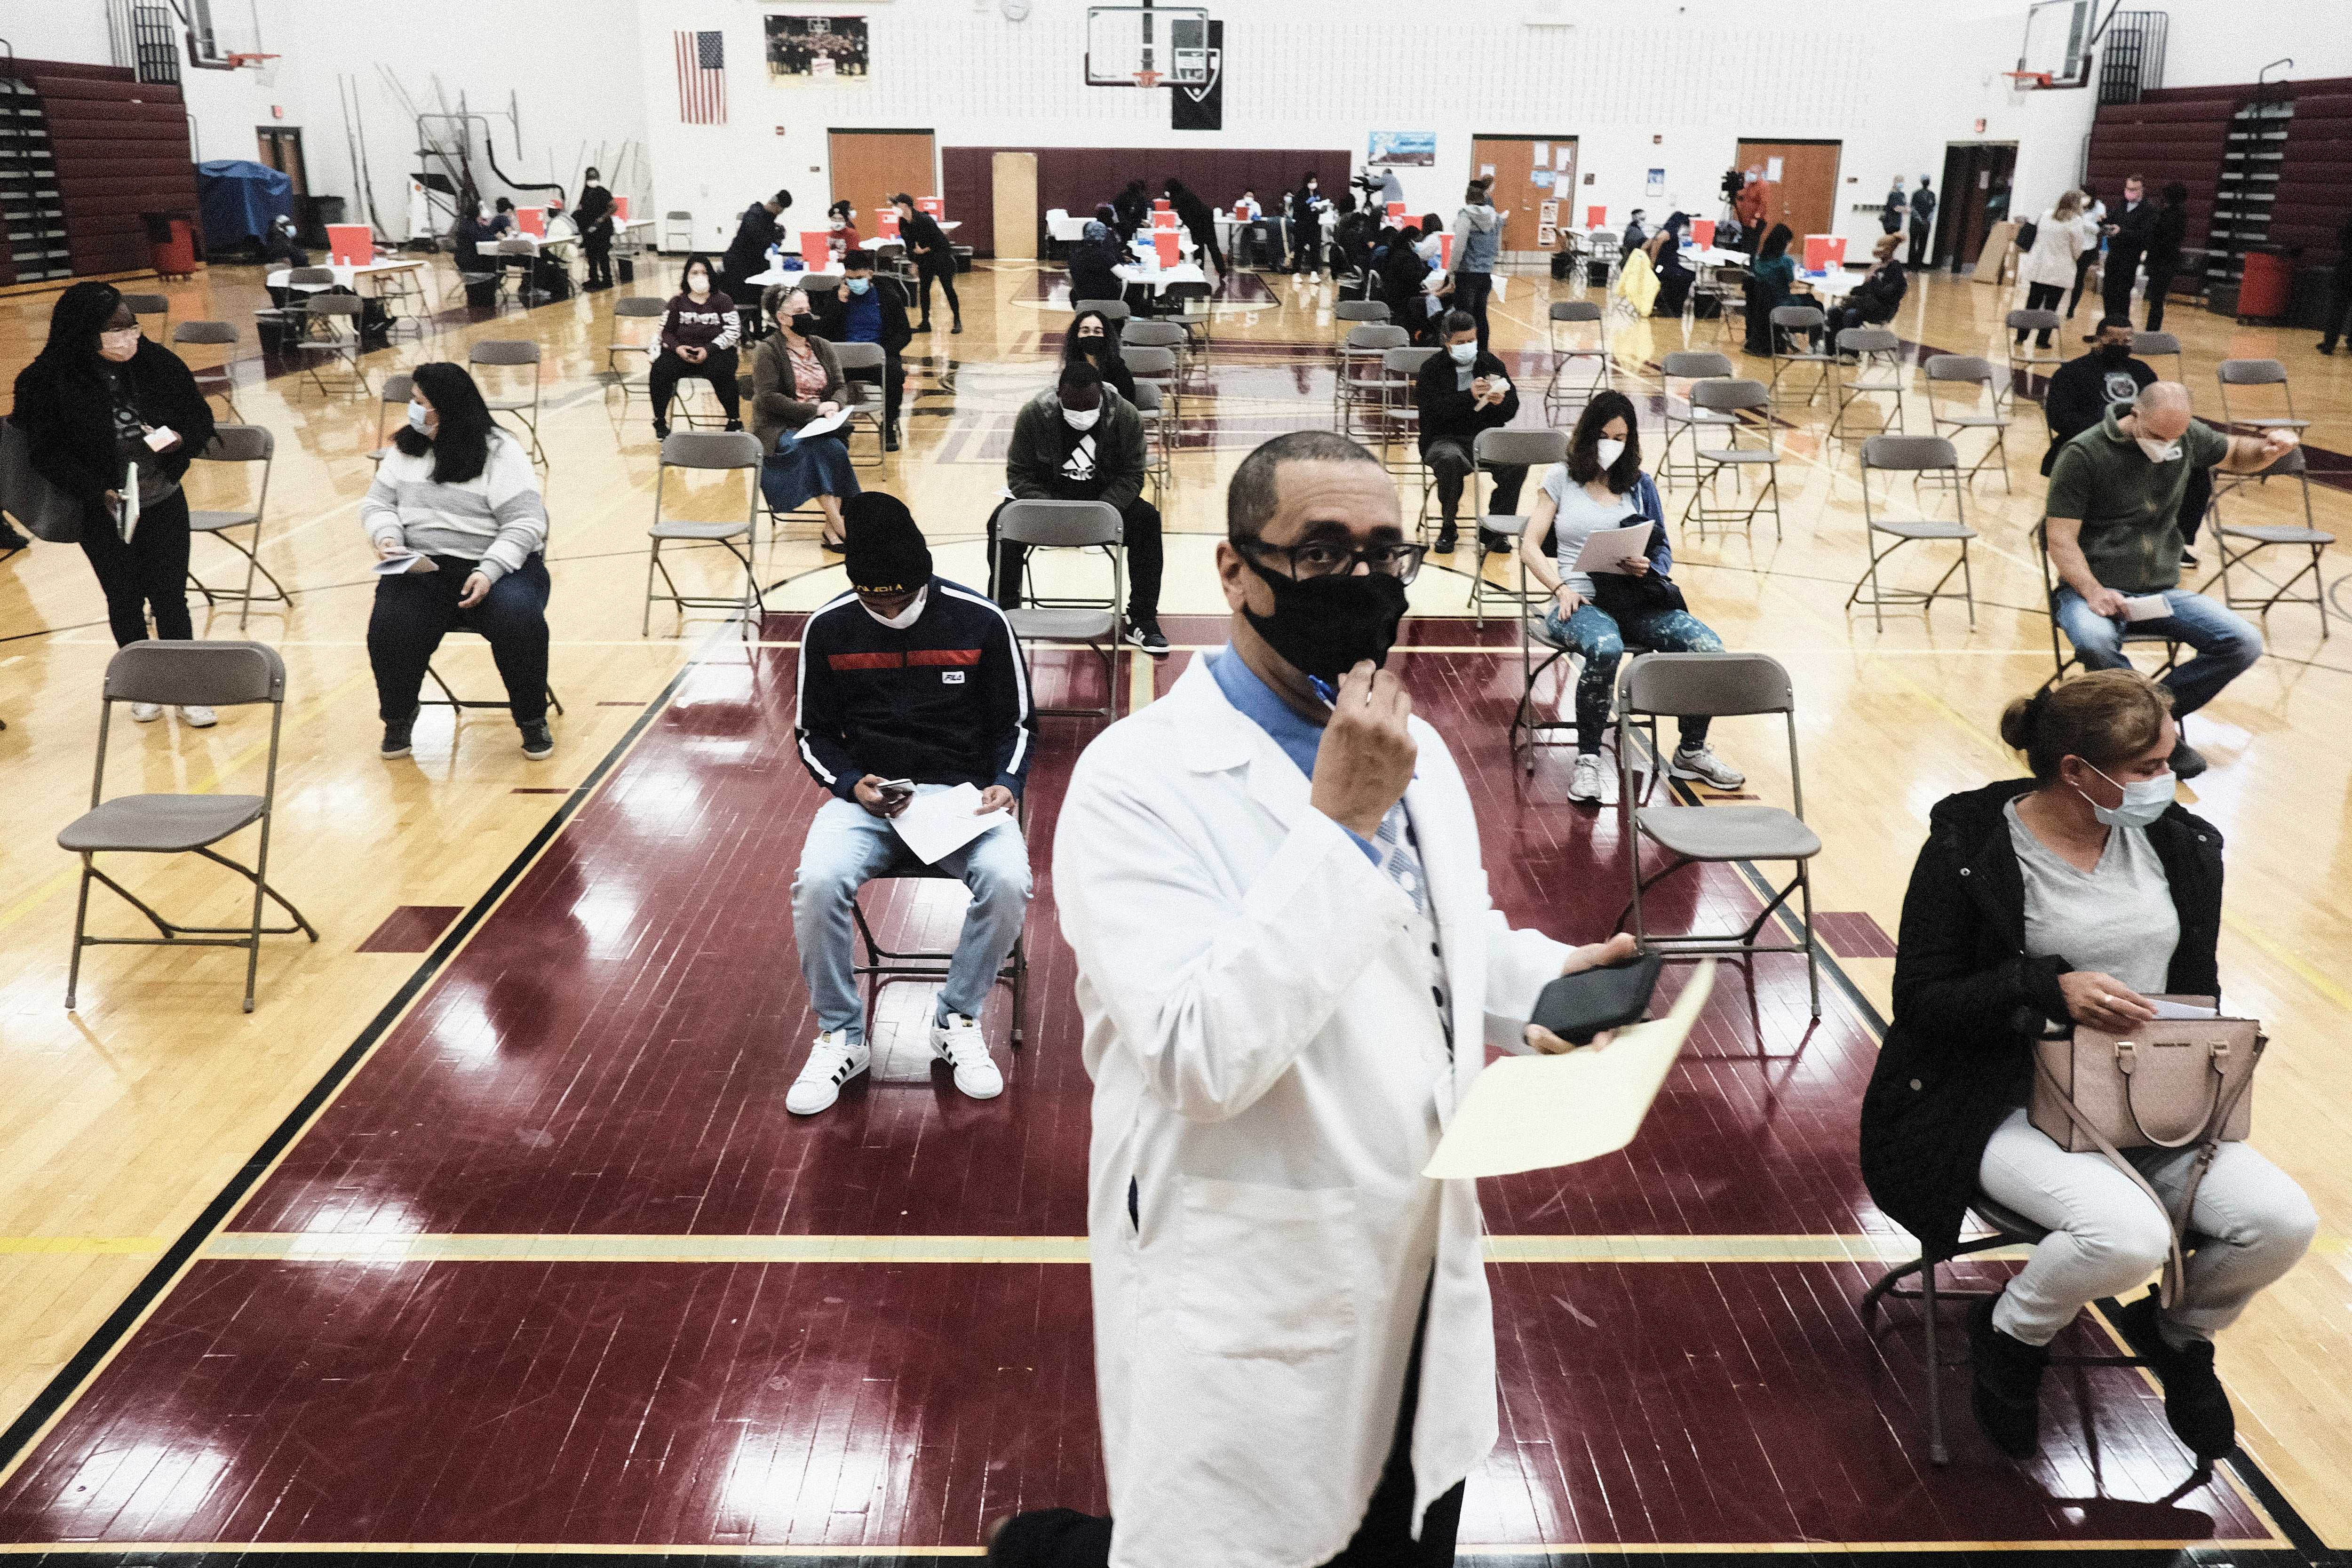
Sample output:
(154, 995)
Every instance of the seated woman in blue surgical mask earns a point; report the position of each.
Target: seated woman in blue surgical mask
(2038, 904)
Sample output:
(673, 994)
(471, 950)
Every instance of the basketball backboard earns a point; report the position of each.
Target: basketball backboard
(1138, 45)
(2058, 41)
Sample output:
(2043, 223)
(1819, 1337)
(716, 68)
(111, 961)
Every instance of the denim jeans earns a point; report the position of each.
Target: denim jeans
(2227, 644)
(847, 846)
(1601, 641)
(2105, 1236)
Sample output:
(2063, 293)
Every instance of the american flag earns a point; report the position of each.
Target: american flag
(701, 77)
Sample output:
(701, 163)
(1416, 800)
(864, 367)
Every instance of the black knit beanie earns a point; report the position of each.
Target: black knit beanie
(886, 553)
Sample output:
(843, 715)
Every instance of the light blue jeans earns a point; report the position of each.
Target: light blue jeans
(847, 846)
(2227, 644)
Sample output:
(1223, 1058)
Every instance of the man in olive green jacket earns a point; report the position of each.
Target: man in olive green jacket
(1082, 441)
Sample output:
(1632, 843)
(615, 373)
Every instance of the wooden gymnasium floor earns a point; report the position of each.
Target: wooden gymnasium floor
(488, 1231)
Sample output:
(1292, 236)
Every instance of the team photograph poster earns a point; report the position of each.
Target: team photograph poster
(816, 48)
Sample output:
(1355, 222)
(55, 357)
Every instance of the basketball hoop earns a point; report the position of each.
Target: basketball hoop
(1147, 79)
(2021, 80)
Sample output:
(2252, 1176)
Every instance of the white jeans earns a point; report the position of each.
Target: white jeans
(2252, 1220)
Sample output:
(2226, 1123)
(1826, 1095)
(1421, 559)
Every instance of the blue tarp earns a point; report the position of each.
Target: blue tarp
(239, 199)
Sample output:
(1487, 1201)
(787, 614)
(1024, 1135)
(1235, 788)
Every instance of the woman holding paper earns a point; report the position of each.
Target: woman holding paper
(101, 407)
(1598, 606)
(2071, 897)
(459, 530)
(796, 383)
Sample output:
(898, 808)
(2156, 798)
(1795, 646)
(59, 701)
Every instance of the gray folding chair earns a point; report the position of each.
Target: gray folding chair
(2245, 373)
(1983, 410)
(676, 231)
(1115, 312)
(1400, 418)
(244, 445)
(1358, 379)
(1155, 368)
(1534, 450)
(394, 395)
(1532, 635)
(1070, 525)
(511, 252)
(1193, 307)
(213, 381)
(334, 340)
(2255, 538)
(295, 316)
(1876, 369)
(182, 674)
(1158, 436)
(864, 365)
(1730, 287)
(1682, 419)
(2026, 358)
(516, 351)
(2063, 660)
(1147, 334)
(1567, 343)
(1913, 454)
(1734, 397)
(1788, 321)
(1713, 685)
(2151, 345)
(148, 305)
(708, 450)
(633, 307)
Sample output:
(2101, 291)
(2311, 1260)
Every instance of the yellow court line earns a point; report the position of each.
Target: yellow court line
(1513, 1549)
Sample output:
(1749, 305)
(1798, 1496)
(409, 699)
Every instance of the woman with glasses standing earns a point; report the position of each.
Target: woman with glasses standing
(1602, 486)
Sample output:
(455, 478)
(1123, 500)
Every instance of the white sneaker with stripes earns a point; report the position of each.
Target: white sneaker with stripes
(833, 1060)
(959, 1043)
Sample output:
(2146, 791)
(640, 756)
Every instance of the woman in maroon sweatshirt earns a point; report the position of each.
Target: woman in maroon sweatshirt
(697, 338)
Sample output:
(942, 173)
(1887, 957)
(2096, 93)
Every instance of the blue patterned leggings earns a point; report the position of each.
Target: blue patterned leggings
(1596, 635)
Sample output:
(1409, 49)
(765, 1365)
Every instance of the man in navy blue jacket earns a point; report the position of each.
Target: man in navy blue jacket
(907, 678)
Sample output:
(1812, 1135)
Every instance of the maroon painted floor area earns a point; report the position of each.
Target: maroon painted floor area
(609, 1055)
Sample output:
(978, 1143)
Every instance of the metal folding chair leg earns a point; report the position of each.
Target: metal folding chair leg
(887, 963)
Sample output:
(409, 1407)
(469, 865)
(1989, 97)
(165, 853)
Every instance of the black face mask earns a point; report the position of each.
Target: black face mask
(2113, 354)
(1326, 626)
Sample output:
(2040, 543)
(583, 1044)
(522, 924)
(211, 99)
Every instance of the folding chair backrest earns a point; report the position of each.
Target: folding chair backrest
(711, 449)
(298, 275)
(1146, 398)
(1909, 453)
(205, 332)
(1957, 367)
(1143, 361)
(1377, 336)
(239, 444)
(1689, 366)
(1574, 310)
(1405, 362)
(1359, 311)
(860, 356)
(2155, 343)
(335, 305)
(1868, 341)
(1729, 396)
(2251, 373)
(818, 282)
(1152, 335)
(195, 674)
(148, 304)
(503, 350)
(638, 305)
(1060, 524)
(398, 385)
(2034, 322)
(1113, 309)
(1796, 316)
(1707, 685)
(1530, 447)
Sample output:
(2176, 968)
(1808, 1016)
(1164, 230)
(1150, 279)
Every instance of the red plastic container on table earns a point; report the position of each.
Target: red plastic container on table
(1823, 252)
(1164, 241)
(620, 209)
(816, 248)
(1703, 233)
(1596, 218)
(2266, 287)
(933, 205)
(887, 221)
(1396, 214)
(350, 244)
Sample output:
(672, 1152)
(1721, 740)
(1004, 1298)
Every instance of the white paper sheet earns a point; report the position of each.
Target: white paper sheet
(2165, 1009)
(1608, 549)
(1531, 1113)
(937, 824)
(2147, 607)
(398, 566)
(822, 423)
(126, 520)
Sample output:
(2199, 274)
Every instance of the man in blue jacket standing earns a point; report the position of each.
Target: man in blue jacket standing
(906, 679)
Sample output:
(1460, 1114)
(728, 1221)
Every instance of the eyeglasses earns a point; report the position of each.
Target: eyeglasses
(1323, 558)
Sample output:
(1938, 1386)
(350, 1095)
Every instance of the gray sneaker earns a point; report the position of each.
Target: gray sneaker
(537, 741)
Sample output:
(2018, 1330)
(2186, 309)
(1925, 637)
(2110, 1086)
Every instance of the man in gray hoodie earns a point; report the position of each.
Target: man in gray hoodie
(1477, 242)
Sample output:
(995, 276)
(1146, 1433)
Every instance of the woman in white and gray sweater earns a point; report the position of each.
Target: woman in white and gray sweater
(458, 499)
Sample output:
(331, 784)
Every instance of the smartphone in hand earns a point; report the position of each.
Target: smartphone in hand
(895, 789)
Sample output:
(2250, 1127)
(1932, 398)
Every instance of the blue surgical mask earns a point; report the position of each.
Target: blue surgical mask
(1462, 353)
(859, 284)
(2144, 801)
(417, 415)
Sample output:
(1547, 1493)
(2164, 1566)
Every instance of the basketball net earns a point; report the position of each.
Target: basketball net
(1147, 78)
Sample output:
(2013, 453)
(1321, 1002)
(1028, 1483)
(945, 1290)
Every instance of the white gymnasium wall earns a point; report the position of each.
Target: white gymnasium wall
(1306, 73)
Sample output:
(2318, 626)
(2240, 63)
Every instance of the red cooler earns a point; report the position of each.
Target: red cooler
(177, 257)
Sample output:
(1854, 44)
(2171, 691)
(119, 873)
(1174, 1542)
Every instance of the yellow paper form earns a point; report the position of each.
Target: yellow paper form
(1530, 1113)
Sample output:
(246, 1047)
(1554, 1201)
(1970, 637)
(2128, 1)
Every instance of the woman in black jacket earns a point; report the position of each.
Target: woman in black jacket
(934, 258)
(2164, 250)
(87, 404)
(1092, 339)
(2038, 904)
(1306, 205)
(1093, 264)
(1194, 214)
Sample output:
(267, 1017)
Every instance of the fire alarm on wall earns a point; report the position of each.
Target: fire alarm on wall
(276, 112)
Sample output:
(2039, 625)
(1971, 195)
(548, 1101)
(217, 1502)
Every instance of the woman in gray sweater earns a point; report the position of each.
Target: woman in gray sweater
(795, 381)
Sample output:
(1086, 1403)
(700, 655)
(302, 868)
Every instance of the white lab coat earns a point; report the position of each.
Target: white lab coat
(1263, 1078)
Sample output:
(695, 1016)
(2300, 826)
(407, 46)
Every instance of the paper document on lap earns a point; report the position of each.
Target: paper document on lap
(1531, 1113)
(937, 825)
(2147, 607)
(824, 423)
(1608, 549)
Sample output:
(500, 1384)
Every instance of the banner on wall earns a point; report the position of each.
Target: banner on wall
(816, 48)
(1410, 149)
(1203, 108)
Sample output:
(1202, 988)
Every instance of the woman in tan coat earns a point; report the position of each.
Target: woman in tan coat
(796, 381)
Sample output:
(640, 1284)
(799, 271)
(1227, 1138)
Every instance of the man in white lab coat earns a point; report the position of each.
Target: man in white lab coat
(1289, 974)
